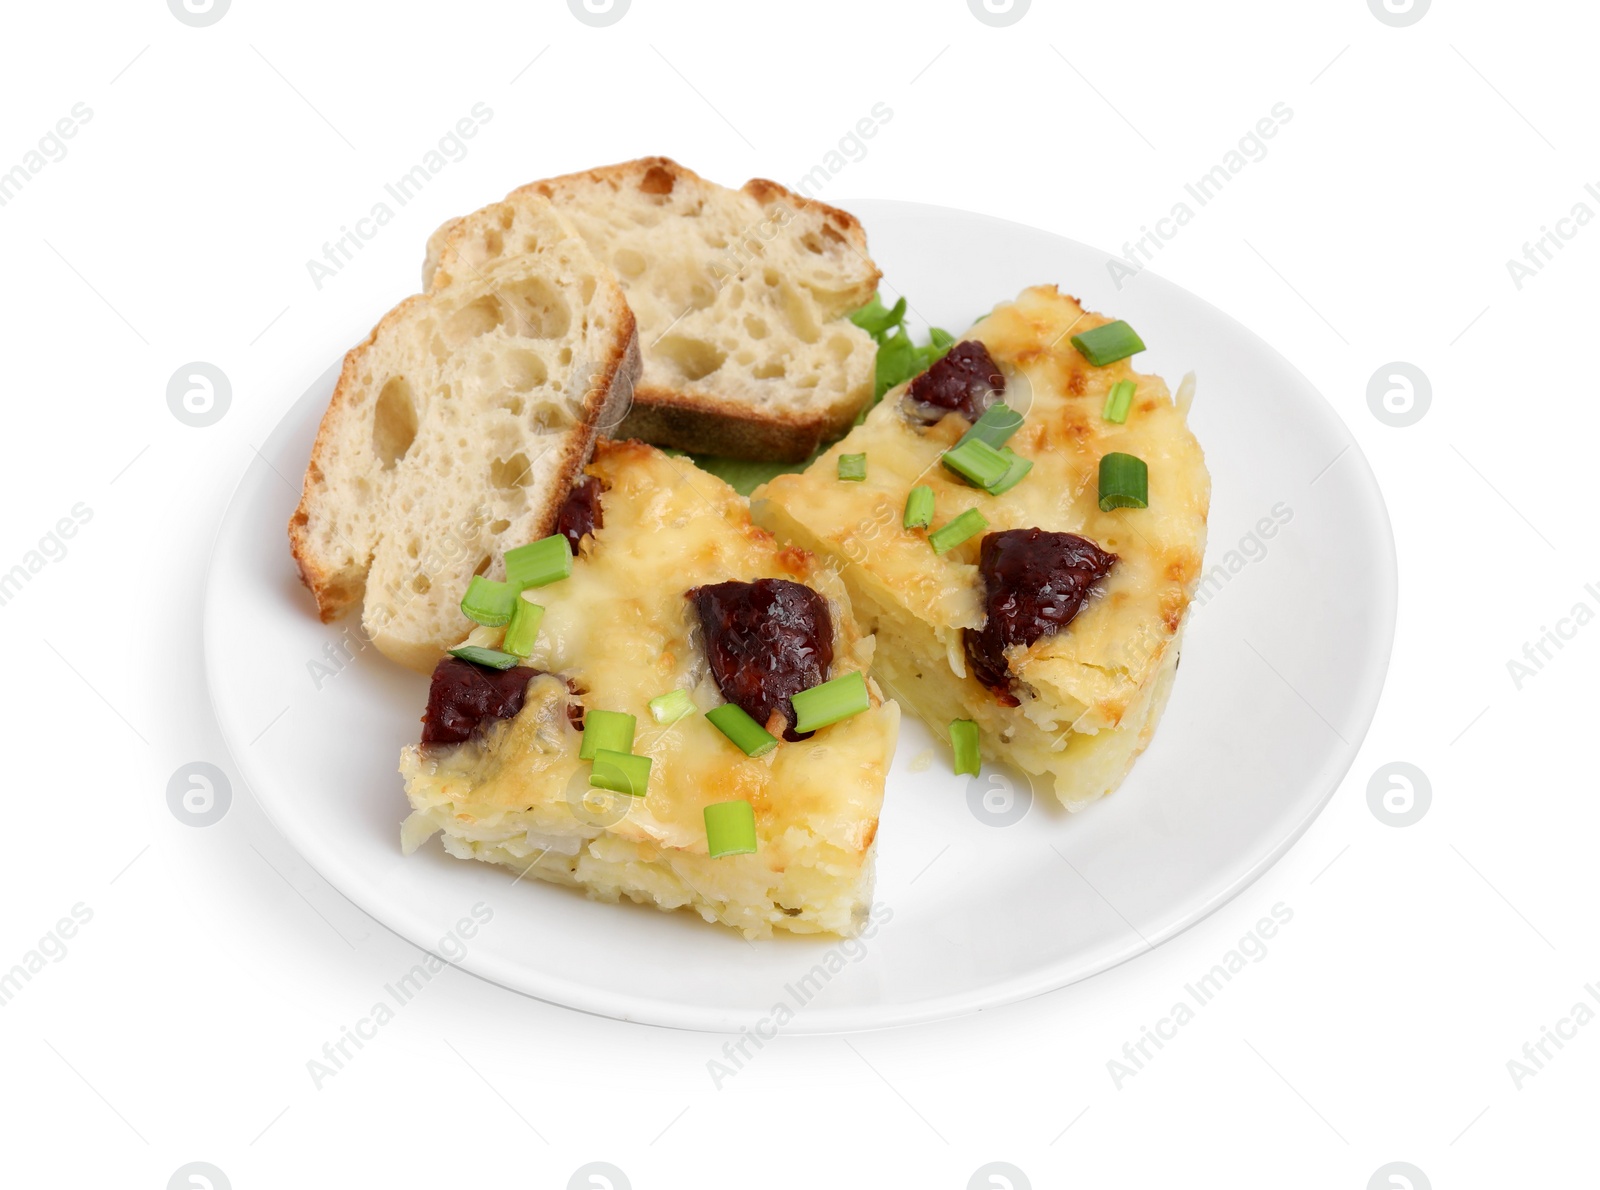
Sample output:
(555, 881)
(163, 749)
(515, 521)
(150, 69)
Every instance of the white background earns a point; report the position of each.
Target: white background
(1377, 228)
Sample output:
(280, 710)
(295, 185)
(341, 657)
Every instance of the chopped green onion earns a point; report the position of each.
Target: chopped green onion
(488, 602)
(670, 707)
(940, 340)
(524, 628)
(964, 740)
(611, 730)
(853, 467)
(541, 562)
(830, 702)
(478, 655)
(620, 772)
(1018, 467)
(877, 319)
(730, 829)
(1109, 343)
(919, 507)
(953, 533)
(1124, 482)
(749, 736)
(1119, 402)
(995, 426)
(976, 461)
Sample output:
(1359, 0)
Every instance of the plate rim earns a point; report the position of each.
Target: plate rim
(636, 1008)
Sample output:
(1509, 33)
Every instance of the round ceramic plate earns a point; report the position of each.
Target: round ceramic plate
(986, 894)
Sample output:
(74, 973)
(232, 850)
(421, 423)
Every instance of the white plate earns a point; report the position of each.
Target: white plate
(1281, 672)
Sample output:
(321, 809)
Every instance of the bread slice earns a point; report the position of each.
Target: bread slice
(458, 426)
(616, 633)
(742, 298)
(1084, 700)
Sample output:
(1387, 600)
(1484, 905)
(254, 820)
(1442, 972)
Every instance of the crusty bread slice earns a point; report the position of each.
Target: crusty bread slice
(742, 298)
(458, 426)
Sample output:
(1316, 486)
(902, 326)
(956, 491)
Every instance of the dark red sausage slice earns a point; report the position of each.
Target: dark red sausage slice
(1035, 583)
(463, 695)
(766, 641)
(966, 381)
(580, 515)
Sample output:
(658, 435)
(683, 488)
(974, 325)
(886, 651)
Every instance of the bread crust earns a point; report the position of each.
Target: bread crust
(336, 592)
(700, 422)
(339, 589)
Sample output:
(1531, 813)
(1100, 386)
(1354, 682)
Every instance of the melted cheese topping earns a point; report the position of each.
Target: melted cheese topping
(1102, 668)
(621, 629)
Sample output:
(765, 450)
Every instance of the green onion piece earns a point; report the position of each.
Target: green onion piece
(539, 563)
(1119, 402)
(1109, 343)
(488, 602)
(730, 829)
(493, 658)
(877, 319)
(853, 467)
(964, 740)
(830, 702)
(976, 461)
(953, 533)
(1124, 482)
(919, 507)
(671, 706)
(612, 730)
(1018, 467)
(995, 426)
(749, 736)
(620, 772)
(524, 629)
(940, 340)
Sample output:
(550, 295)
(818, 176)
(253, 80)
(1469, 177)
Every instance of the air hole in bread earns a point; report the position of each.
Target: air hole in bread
(394, 422)
(530, 244)
(507, 217)
(523, 370)
(701, 295)
(656, 181)
(483, 566)
(420, 584)
(755, 327)
(499, 527)
(840, 347)
(538, 310)
(515, 472)
(551, 417)
(493, 244)
(771, 370)
(629, 263)
(770, 277)
(514, 406)
(735, 296)
(474, 319)
(587, 290)
(744, 358)
(565, 357)
(695, 359)
(809, 381)
(413, 548)
(799, 315)
(812, 242)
